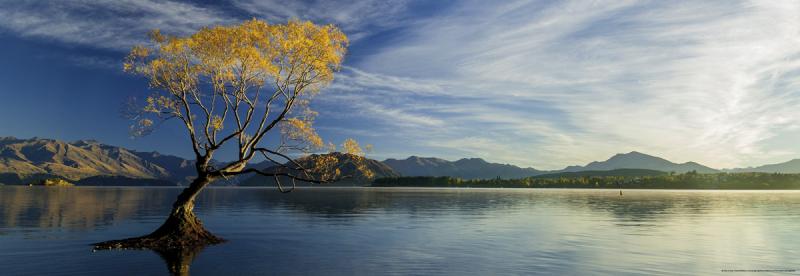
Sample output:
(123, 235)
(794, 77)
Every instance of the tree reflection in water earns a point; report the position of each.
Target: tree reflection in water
(639, 213)
(179, 260)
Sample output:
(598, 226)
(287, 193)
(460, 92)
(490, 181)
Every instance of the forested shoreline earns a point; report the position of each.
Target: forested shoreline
(690, 180)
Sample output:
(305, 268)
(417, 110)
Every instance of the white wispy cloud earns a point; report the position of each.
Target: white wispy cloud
(713, 82)
(120, 24)
(353, 80)
(534, 83)
(357, 18)
(109, 24)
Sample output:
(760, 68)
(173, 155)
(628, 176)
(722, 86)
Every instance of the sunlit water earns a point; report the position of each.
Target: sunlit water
(366, 231)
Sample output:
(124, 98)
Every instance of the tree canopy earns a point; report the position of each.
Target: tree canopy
(236, 85)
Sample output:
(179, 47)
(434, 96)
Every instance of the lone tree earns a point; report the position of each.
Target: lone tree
(235, 86)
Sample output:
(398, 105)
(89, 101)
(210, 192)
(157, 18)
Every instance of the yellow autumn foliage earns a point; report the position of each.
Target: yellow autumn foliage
(301, 130)
(253, 76)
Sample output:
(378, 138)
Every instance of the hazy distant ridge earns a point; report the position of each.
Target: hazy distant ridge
(638, 160)
(791, 166)
(467, 168)
(476, 168)
(35, 158)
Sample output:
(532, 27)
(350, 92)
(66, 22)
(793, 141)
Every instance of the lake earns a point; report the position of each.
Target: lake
(378, 231)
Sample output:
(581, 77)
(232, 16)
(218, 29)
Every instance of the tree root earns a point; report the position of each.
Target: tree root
(177, 256)
(161, 243)
(181, 230)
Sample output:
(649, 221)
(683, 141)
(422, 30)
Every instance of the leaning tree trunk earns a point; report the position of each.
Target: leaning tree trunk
(182, 229)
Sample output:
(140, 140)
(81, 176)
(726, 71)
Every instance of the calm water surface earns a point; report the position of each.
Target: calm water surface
(370, 231)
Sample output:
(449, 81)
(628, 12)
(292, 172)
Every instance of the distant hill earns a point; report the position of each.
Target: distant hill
(638, 160)
(345, 165)
(467, 168)
(22, 160)
(617, 172)
(179, 170)
(88, 162)
(791, 166)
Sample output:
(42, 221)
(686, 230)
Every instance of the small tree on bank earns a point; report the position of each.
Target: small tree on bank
(235, 86)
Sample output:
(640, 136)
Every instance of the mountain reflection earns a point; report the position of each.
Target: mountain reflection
(87, 208)
(398, 226)
(74, 208)
(334, 202)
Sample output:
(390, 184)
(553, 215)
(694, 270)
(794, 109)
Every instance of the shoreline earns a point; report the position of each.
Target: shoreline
(403, 188)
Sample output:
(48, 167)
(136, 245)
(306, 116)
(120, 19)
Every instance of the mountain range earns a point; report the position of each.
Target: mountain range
(88, 162)
(27, 159)
(638, 160)
(346, 165)
(791, 166)
(467, 168)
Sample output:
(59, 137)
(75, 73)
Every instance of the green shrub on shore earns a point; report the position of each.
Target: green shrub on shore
(53, 182)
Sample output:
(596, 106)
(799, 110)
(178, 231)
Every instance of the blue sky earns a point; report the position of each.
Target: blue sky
(532, 83)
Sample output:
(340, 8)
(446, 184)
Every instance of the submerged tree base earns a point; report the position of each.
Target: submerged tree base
(181, 230)
(177, 258)
(177, 241)
(161, 243)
